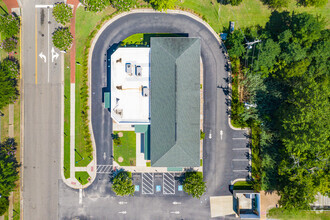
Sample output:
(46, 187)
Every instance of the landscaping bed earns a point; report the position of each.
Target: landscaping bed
(125, 152)
(82, 177)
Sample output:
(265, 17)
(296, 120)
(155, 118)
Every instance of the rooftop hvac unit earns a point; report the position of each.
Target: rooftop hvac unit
(138, 70)
(128, 68)
(145, 91)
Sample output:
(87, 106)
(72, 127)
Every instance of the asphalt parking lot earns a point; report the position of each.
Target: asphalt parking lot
(241, 156)
(157, 184)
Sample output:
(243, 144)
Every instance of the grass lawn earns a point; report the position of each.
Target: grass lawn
(127, 149)
(82, 177)
(248, 13)
(66, 116)
(242, 185)
(144, 38)
(279, 213)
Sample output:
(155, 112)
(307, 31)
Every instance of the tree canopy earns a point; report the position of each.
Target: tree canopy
(62, 38)
(62, 13)
(193, 184)
(8, 82)
(8, 171)
(288, 82)
(122, 184)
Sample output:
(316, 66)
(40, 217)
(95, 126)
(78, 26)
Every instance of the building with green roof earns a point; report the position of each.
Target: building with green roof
(175, 102)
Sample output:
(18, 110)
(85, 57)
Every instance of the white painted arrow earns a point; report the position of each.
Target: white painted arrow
(122, 203)
(221, 133)
(176, 212)
(123, 212)
(176, 203)
(54, 55)
(104, 156)
(210, 135)
(42, 56)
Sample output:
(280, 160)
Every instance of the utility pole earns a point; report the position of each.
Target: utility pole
(249, 44)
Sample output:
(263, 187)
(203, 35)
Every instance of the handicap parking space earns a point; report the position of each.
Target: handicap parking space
(158, 184)
(147, 183)
(169, 183)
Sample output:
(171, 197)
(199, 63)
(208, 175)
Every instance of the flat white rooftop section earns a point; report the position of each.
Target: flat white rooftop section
(130, 76)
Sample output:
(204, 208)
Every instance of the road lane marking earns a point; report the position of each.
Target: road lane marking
(54, 55)
(80, 196)
(221, 133)
(43, 56)
(44, 6)
(36, 47)
(210, 135)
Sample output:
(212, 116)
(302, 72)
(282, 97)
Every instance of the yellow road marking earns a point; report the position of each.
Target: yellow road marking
(36, 42)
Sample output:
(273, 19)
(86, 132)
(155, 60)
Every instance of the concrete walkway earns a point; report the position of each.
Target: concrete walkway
(91, 168)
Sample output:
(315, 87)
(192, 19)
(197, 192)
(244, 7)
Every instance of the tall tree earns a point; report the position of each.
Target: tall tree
(122, 184)
(193, 184)
(62, 38)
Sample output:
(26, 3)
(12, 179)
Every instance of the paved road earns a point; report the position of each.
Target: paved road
(42, 115)
(220, 158)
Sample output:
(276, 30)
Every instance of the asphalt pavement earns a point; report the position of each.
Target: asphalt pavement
(42, 103)
(220, 158)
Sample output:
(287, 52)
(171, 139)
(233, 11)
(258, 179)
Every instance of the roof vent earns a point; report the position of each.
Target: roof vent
(145, 91)
(138, 70)
(128, 68)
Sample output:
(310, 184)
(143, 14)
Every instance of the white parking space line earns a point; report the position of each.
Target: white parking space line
(240, 149)
(240, 159)
(244, 138)
(48, 44)
(240, 170)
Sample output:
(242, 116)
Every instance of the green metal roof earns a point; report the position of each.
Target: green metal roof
(175, 102)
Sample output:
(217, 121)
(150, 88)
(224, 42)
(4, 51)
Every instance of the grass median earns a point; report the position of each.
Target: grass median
(125, 152)
(66, 116)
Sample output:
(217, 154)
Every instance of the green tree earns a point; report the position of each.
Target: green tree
(268, 52)
(96, 5)
(9, 26)
(123, 5)
(9, 44)
(62, 13)
(4, 204)
(62, 38)
(11, 67)
(194, 185)
(122, 184)
(161, 5)
(8, 167)
(235, 44)
(8, 87)
(317, 3)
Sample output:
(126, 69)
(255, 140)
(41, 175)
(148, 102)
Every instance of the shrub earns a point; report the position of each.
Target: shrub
(9, 26)
(62, 13)
(161, 5)
(9, 44)
(123, 5)
(202, 135)
(96, 5)
(62, 38)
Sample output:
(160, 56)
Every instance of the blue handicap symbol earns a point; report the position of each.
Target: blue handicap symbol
(180, 188)
(137, 188)
(158, 188)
